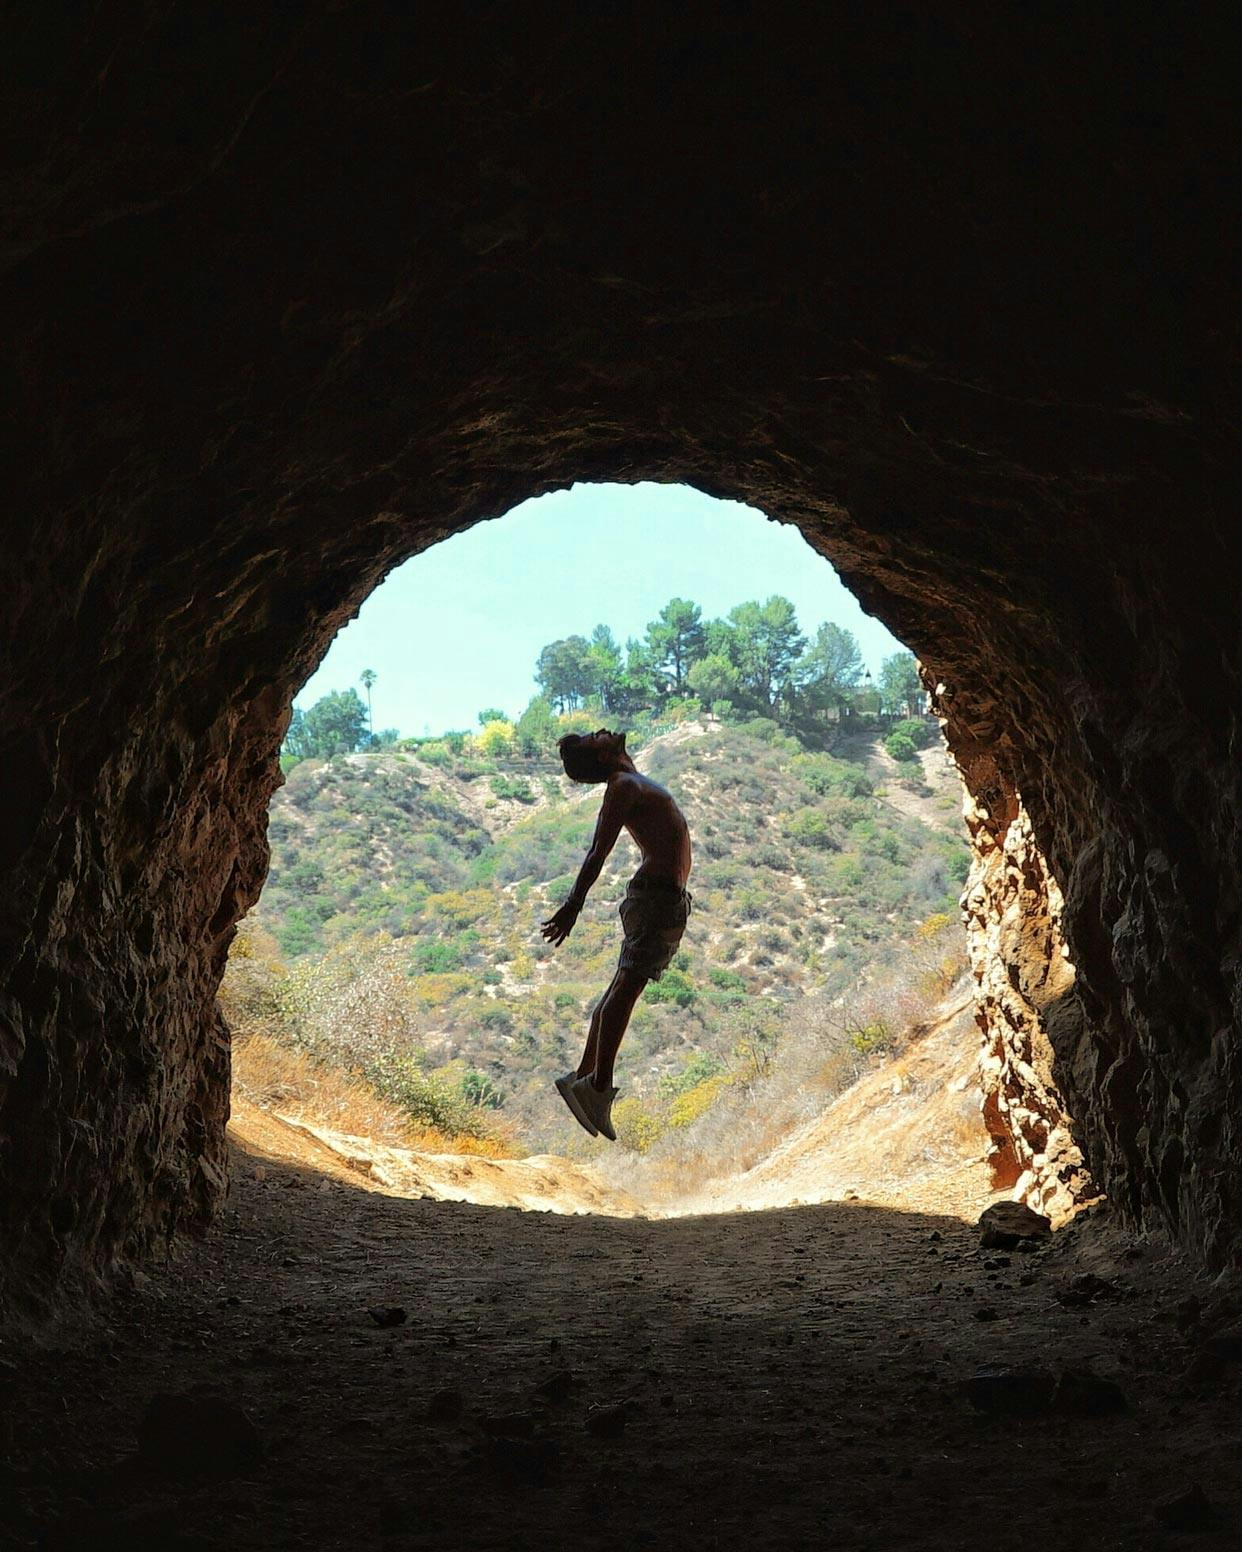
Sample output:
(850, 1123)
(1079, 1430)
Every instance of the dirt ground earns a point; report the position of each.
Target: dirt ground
(768, 1379)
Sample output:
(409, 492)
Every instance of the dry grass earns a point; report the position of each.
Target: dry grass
(279, 1077)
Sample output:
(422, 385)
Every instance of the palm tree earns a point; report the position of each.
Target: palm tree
(367, 677)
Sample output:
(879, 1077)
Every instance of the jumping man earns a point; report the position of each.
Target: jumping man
(653, 913)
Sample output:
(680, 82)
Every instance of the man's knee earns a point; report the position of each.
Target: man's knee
(629, 984)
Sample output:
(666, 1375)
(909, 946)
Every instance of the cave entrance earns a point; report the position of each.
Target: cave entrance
(391, 989)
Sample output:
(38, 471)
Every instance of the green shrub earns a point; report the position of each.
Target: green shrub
(922, 732)
(495, 1015)
(901, 747)
(516, 788)
(674, 986)
(298, 933)
(435, 957)
(726, 980)
(477, 1089)
(810, 827)
(878, 1035)
(700, 1067)
(426, 1100)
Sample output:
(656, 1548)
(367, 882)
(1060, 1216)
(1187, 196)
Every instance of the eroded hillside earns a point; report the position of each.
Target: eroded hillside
(398, 932)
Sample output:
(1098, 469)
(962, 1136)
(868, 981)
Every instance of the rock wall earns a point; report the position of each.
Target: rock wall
(1024, 980)
(292, 292)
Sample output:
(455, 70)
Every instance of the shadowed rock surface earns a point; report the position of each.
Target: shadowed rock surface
(292, 294)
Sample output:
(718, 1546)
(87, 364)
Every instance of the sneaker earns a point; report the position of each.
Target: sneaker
(596, 1105)
(565, 1088)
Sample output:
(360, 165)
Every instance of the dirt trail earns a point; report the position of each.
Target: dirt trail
(764, 1380)
(939, 776)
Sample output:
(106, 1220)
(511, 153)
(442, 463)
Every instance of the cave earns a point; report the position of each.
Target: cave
(291, 295)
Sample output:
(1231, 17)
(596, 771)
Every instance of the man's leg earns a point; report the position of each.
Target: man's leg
(610, 1021)
(587, 1065)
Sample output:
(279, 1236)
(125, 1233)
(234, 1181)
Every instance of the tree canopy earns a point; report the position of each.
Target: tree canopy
(755, 662)
(901, 689)
(335, 724)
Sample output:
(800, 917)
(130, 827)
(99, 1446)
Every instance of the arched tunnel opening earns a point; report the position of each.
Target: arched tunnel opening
(288, 298)
(392, 985)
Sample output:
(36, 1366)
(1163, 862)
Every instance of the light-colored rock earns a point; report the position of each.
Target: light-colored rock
(1012, 907)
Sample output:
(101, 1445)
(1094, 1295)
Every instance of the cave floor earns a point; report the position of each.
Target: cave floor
(782, 1378)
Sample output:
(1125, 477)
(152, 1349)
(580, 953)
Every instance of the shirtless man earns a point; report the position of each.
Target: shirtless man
(653, 913)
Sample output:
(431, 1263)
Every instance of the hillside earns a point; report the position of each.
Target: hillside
(398, 932)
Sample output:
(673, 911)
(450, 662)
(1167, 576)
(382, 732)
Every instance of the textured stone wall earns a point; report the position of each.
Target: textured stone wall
(290, 293)
(1024, 982)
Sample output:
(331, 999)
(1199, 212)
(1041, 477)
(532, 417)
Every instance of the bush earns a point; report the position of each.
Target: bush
(637, 1128)
(696, 1101)
(856, 784)
(922, 732)
(298, 934)
(516, 788)
(762, 728)
(878, 1035)
(810, 827)
(477, 1089)
(425, 1099)
(495, 1016)
(674, 986)
(901, 747)
(726, 980)
(435, 957)
(494, 739)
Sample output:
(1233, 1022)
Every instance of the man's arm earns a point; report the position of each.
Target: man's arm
(618, 800)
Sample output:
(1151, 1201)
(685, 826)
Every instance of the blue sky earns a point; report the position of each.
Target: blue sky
(460, 626)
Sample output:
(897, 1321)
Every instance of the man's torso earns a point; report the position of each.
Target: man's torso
(659, 830)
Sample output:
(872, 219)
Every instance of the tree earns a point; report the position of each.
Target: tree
(295, 746)
(831, 668)
(675, 640)
(720, 640)
(901, 689)
(491, 714)
(713, 678)
(604, 667)
(768, 644)
(536, 727)
(564, 672)
(336, 724)
(367, 678)
(636, 689)
(496, 738)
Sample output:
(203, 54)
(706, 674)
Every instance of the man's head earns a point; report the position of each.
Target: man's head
(592, 757)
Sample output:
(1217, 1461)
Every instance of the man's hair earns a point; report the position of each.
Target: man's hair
(581, 763)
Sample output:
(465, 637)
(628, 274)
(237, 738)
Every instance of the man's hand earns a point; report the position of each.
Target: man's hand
(557, 928)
